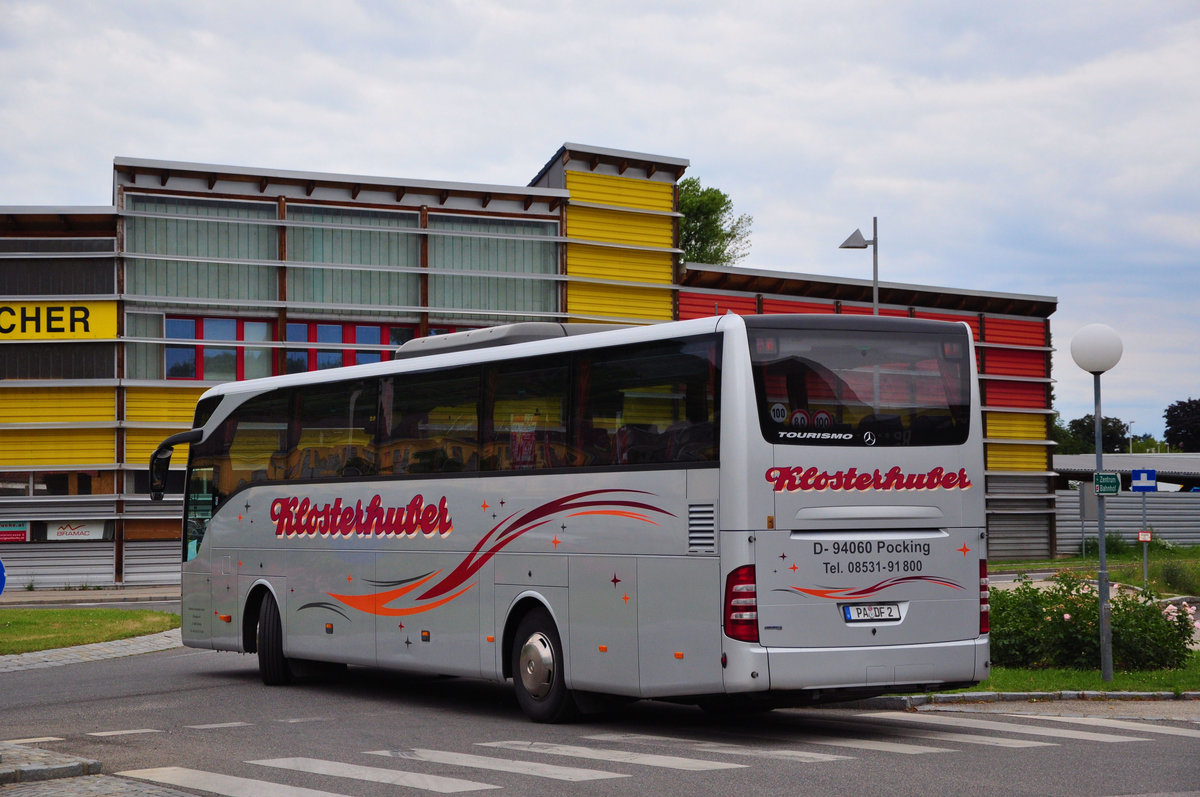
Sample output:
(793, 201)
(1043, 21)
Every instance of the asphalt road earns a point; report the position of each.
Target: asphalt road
(202, 718)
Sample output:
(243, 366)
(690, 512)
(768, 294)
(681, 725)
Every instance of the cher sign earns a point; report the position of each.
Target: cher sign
(57, 320)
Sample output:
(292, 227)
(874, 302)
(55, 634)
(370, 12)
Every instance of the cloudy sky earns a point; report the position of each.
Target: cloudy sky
(1036, 148)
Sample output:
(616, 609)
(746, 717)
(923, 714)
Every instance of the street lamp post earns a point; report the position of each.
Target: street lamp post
(1097, 348)
(856, 241)
(1131, 437)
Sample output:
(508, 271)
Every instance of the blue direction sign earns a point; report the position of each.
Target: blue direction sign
(1, 577)
(1144, 481)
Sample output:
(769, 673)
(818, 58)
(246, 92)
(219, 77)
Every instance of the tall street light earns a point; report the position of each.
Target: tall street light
(1097, 348)
(856, 241)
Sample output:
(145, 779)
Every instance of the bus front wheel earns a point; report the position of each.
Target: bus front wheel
(273, 666)
(537, 667)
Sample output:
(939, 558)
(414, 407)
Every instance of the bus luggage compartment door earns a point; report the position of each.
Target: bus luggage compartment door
(824, 589)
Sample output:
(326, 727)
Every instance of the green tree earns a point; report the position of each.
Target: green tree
(1067, 441)
(709, 232)
(1114, 435)
(1183, 425)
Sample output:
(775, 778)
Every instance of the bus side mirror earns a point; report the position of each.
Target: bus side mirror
(160, 460)
(160, 465)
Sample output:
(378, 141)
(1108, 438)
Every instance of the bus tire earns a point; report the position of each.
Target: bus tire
(538, 667)
(273, 666)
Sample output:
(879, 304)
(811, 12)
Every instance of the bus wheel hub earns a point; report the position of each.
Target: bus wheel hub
(537, 665)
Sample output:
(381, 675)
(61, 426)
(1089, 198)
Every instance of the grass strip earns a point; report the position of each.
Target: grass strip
(29, 630)
(1009, 679)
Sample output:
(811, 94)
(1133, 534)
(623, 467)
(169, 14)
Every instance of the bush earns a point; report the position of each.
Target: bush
(1114, 544)
(1182, 578)
(1059, 627)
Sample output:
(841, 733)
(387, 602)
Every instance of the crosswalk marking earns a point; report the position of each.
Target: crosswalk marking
(131, 732)
(219, 725)
(1143, 727)
(552, 771)
(394, 777)
(858, 726)
(872, 744)
(619, 756)
(721, 748)
(226, 785)
(1008, 727)
(978, 738)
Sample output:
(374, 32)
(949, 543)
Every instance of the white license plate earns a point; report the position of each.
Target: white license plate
(871, 612)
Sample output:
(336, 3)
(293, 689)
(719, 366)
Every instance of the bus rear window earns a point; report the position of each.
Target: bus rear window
(862, 388)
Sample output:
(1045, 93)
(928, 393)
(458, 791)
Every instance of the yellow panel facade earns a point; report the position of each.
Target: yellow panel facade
(29, 448)
(161, 405)
(628, 192)
(1015, 426)
(613, 301)
(635, 304)
(618, 227)
(57, 404)
(1016, 457)
(140, 444)
(627, 265)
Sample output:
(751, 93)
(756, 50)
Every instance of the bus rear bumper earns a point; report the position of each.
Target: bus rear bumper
(865, 669)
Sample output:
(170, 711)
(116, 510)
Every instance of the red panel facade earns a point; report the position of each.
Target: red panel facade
(1018, 395)
(1020, 333)
(1011, 362)
(702, 305)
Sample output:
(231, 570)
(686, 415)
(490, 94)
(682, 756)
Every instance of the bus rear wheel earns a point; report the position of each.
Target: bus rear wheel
(537, 667)
(273, 666)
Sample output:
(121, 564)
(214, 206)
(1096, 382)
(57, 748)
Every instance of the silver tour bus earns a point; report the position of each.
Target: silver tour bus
(734, 512)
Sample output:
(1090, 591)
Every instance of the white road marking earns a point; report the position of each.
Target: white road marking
(552, 771)
(34, 740)
(226, 785)
(131, 732)
(219, 725)
(1126, 725)
(1006, 727)
(619, 756)
(394, 777)
(721, 748)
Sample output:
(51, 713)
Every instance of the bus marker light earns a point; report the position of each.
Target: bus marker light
(225, 618)
(424, 636)
(329, 628)
(491, 638)
(679, 654)
(603, 648)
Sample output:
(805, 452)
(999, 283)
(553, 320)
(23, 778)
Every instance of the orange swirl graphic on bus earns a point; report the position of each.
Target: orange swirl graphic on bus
(453, 584)
(852, 593)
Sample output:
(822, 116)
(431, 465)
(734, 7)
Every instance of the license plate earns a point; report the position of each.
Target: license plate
(871, 612)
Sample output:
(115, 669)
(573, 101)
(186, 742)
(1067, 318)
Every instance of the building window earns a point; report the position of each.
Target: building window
(331, 345)
(209, 349)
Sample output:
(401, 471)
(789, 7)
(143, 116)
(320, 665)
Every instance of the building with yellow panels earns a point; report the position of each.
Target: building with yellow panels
(113, 320)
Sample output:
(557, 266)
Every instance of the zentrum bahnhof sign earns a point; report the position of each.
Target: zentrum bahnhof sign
(58, 320)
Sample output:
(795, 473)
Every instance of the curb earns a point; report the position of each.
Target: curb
(911, 702)
(20, 764)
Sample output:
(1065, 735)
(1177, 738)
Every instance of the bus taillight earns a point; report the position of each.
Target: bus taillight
(985, 620)
(741, 605)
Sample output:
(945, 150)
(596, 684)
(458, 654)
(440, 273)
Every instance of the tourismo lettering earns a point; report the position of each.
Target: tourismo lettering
(801, 478)
(299, 516)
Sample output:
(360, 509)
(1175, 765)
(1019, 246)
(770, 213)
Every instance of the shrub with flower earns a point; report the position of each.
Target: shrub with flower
(1060, 627)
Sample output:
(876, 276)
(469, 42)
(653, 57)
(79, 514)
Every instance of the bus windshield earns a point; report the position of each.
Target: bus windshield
(862, 388)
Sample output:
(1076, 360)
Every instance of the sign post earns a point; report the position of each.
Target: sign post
(1144, 481)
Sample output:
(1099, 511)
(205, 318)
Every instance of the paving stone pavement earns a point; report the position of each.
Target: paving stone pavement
(94, 652)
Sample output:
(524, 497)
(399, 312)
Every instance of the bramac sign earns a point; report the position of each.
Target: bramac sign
(74, 530)
(57, 320)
